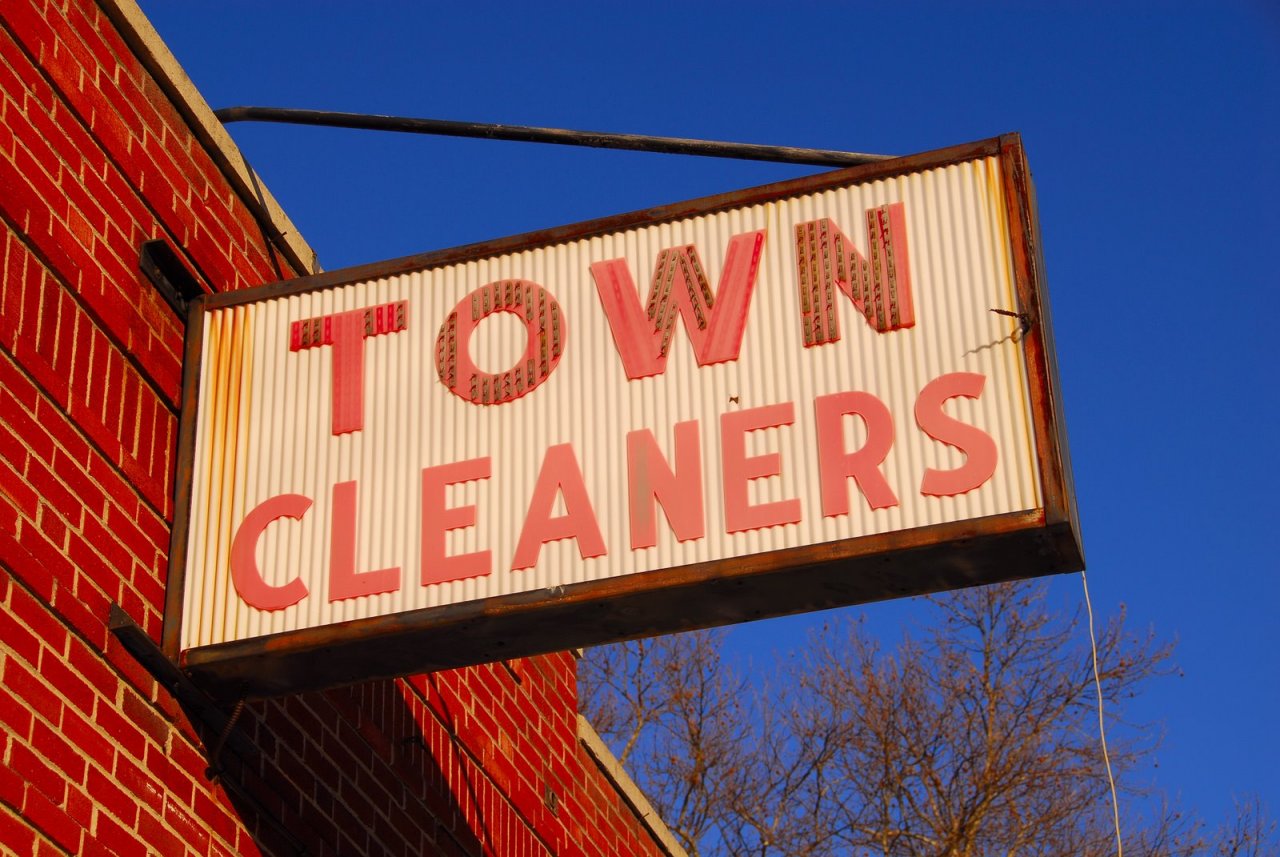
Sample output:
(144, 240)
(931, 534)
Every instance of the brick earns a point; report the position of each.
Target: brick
(111, 722)
(37, 771)
(87, 735)
(150, 104)
(51, 820)
(55, 748)
(190, 758)
(186, 827)
(19, 201)
(10, 82)
(15, 715)
(115, 212)
(154, 527)
(215, 811)
(13, 485)
(179, 783)
(169, 165)
(111, 839)
(159, 839)
(102, 541)
(52, 489)
(84, 607)
(222, 849)
(92, 667)
(64, 433)
(108, 448)
(22, 682)
(46, 326)
(39, 619)
(121, 525)
(119, 490)
(34, 561)
(82, 21)
(105, 393)
(68, 683)
(52, 525)
(36, 132)
(67, 257)
(133, 605)
(267, 794)
(15, 833)
(73, 475)
(12, 784)
(18, 637)
(20, 423)
(142, 785)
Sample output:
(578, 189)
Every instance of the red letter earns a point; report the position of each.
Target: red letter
(560, 474)
(651, 478)
(643, 337)
(344, 581)
(543, 320)
(880, 287)
(835, 465)
(245, 573)
(346, 332)
(438, 519)
(739, 470)
(976, 444)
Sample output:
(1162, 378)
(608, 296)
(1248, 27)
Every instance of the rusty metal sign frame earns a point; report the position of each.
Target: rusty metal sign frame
(850, 571)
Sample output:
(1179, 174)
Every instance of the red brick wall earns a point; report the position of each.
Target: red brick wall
(96, 758)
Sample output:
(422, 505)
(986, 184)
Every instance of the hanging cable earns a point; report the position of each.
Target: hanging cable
(1102, 729)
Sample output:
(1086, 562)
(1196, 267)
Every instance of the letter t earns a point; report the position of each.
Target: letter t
(346, 332)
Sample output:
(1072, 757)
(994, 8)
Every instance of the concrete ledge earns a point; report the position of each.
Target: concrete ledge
(627, 789)
(155, 55)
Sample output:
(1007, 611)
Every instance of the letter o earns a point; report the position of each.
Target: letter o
(542, 317)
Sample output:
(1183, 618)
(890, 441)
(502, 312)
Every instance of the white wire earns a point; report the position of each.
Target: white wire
(1102, 729)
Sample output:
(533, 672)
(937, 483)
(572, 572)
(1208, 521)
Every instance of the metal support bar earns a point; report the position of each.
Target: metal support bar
(198, 705)
(560, 136)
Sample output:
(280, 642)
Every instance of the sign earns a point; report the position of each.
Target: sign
(826, 391)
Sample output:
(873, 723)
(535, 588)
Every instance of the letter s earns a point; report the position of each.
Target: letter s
(978, 446)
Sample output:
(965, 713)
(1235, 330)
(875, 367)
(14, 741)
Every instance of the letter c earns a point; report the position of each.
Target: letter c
(245, 573)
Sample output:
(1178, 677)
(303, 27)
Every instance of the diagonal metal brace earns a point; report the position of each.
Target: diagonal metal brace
(201, 709)
(198, 705)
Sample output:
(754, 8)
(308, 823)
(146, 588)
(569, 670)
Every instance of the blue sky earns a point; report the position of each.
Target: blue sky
(1153, 135)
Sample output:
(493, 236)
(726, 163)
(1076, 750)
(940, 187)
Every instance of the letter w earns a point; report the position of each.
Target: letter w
(879, 286)
(715, 323)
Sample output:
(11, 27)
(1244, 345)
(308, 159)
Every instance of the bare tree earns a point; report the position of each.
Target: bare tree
(674, 713)
(978, 737)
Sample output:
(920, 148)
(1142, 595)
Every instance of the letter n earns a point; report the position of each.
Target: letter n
(879, 285)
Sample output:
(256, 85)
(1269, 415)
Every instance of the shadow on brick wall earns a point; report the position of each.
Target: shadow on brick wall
(364, 770)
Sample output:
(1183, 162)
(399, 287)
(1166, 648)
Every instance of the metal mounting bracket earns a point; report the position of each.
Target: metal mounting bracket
(202, 710)
(169, 274)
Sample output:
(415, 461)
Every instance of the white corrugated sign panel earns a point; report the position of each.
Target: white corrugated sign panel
(266, 412)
